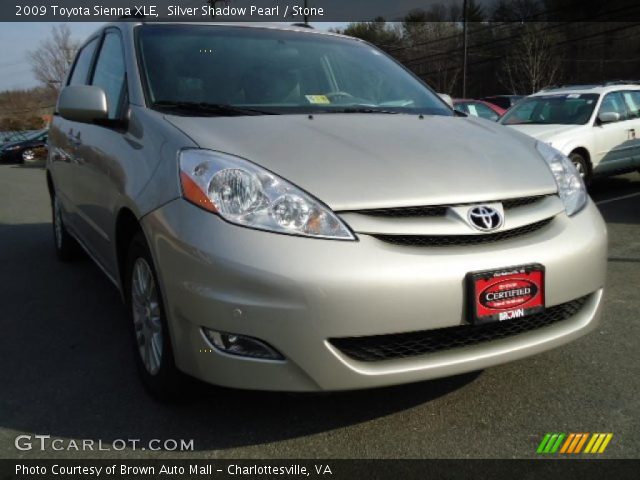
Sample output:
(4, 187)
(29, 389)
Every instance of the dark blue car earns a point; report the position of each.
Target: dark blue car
(24, 150)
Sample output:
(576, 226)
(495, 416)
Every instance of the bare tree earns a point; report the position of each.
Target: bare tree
(431, 42)
(530, 64)
(51, 60)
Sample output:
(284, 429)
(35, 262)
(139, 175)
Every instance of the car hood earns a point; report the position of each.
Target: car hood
(359, 161)
(544, 132)
(12, 144)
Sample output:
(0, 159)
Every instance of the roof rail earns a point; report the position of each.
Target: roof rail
(570, 85)
(591, 85)
(622, 82)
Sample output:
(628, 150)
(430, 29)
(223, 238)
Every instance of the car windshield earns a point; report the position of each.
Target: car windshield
(565, 109)
(38, 135)
(227, 70)
(14, 136)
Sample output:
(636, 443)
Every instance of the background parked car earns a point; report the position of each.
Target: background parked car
(596, 126)
(13, 136)
(31, 148)
(447, 98)
(504, 101)
(479, 108)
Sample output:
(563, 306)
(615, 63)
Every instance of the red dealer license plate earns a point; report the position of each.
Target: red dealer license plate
(507, 294)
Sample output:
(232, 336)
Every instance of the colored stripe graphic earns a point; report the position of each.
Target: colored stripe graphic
(581, 443)
(567, 443)
(577, 440)
(550, 443)
(555, 447)
(606, 442)
(598, 442)
(573, 443)
(543, 443)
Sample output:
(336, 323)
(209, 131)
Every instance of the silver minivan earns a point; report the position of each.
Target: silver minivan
(288, 209)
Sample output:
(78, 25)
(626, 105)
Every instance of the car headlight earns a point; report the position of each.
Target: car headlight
(11, 149)
(570, 185)
(250, 196)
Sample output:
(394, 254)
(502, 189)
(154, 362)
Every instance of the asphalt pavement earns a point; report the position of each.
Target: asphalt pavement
(66, 369)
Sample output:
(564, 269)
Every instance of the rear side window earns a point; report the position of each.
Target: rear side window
(83, 64)
(614, 102)
(110, 72)
(633, 103)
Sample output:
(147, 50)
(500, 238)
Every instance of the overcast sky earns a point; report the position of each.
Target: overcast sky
(17, 39)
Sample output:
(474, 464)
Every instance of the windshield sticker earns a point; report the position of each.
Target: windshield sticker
(318, 99)
(573, 95)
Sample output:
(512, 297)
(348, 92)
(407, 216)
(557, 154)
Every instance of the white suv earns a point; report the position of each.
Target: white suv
(597, 126)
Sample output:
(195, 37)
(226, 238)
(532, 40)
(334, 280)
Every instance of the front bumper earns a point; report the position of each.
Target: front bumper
(296, 293)
(11, 156)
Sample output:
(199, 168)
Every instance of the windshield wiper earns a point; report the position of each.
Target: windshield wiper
(359, 110)
(533, 122)
(209, 109)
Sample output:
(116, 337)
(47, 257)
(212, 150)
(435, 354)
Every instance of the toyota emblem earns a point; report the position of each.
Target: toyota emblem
(485, 218)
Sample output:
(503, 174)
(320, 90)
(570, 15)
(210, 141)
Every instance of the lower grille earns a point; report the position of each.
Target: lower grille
(403, 345)
(454, 240)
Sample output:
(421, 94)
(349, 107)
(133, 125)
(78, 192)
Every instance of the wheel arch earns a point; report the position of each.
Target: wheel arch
(585, 154)
(126, 227)
(50, 187)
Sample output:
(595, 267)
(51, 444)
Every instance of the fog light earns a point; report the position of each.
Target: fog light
(241, 345)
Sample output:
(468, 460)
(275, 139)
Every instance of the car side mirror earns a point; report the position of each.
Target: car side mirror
(83, 103)
(608, 117)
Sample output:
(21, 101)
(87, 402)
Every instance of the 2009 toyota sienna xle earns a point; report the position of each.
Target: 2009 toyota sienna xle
(293, 210)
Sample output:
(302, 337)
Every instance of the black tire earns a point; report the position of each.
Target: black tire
(582, 164)
(167, 383)
(67, 249)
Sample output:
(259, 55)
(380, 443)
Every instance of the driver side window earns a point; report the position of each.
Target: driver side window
(110, 72)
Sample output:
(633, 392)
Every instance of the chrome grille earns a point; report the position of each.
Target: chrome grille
(441, 210)
(464, 240)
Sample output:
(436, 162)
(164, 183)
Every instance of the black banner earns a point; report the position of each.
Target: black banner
(330, 469)
(302, 10)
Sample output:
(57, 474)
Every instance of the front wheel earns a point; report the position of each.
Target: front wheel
(582, 165)
(28, 155)
(67, 249)
(150, 333)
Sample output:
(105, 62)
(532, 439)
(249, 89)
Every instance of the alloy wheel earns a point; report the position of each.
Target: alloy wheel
(28, 155)
(146, 316)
